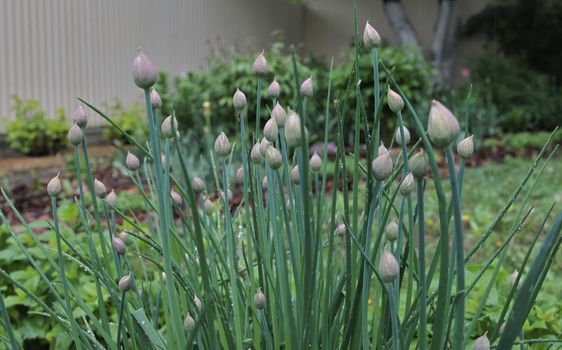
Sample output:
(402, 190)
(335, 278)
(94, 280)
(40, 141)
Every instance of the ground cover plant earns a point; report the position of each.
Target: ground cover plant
(291, 265)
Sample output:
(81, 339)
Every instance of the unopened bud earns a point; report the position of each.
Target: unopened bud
(270, 130)
(99, 188)
(264, 183)
(144, 71)
(382, 150)
(259, 300)
(222, 145)
(189, 323)
(155, 99)
(208, 206)
(388, 267)
(118, 245)
(255, 154)
(125, 283)
(391, 231)
(273, 158)
(442, 126)
(260, 64)
(123, 236)
(465, 148)
(371, 37)
(176, 198)
(239, 100)
(307, 88)
(295, 175)
(407, 185)
(264, 145)
(279, 114)
(340, 230)
(111, 198)
(395, 101)
(80, 117)
(418, 164)
(315, 162)
(169, 127)
(54, 187)
(239, 177)
(398, 136)
(197, 184)
(382, 166)
(197, 302)
(293, 129)
(482, 343)
(75, 135)
(132, 162)
(273, 90)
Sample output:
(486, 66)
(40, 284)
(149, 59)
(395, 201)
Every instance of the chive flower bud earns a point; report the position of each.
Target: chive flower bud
(465, 148)
(99, 188)
(264, 183)
(270, 130)
(264, 144)
(395, 101)
(255, 154)
(382, 150)
(208, 206)
(197, 184)
(307, 88)
(123, 236)
(315, 162)
(293, 129)
(442, 126)
(176, 198)
(169, 127)
(239, 177)
(118, 245)
(391, 231)
(274, 89)
(132, 162)
(407, 185)
(418, 164)
(513, 278)
(75, 135)
(228, 195)
(398, 136)
(111, 198)
(197, 302)
(295, 175)
(279, 114)
(482, 343)
(273, 158)
(239, 100)
(155, 99)
(222, 145)
(371, 37)
(54, 187)
(388, 267)
(189, 323)
(340, 230)
(382, 166)
(260, 65)
(80, 117)
(259, 300)
(144, 71)
(125, 283)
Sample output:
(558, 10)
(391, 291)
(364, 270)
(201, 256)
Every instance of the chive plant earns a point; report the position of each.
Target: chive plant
(284, 267)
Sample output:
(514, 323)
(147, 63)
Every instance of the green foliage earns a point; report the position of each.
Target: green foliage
(531, 29)
(129, 118)
(32, 132)
(523, 99)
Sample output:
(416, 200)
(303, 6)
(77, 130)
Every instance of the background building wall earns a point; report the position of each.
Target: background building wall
(56, 50)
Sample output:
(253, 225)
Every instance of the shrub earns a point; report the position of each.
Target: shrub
(129, 119)
(32, 132)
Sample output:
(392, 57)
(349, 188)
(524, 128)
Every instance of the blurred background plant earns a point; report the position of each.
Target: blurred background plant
(128, 118)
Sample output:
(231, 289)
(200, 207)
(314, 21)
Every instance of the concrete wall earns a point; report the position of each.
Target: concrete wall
(55, 50)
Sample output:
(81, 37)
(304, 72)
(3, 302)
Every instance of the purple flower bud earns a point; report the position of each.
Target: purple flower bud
(264, 144)
(407, 185)
(391, 231)
(169, 127)
(259, 300)
(382, 166)
(80, 117)
(388, 267)
(482, 343)
(273, 158)
(176, 198)
(54, 187)
(197, 184)
(465, 148)
(239, 100)
(306, 87)
(274, 89)
(239, 177)
(125, 283)
(371, 37)
(293, 129)
(340, 230)
(442, 126)
(222, 145)
(189, 323)
(155, 99)
(418, 164)
(75, 135)
(99, 188)
(255, 154)
(270, 130)
(279, 114)
(260, 64)
(398, 136)
(395, 101)
(123, 236)
(111, 198)
(118, 245)
(132, 162)
(315, 162)
(144, 71)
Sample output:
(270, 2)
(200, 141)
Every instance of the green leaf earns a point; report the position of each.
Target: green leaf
(152, 336)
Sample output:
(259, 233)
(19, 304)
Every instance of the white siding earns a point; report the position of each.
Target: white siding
(56, 50)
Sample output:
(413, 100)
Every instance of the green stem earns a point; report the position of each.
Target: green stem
(7, 324)
(120, 322)
(421, 267)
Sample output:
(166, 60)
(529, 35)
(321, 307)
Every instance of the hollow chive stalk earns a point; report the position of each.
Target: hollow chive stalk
(120, 322)
(458, 334)
(177, 335)
(421, 267)
(64, 281)
(6, 318)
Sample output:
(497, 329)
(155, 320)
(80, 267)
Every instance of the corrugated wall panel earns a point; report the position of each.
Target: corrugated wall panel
(54, 51)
